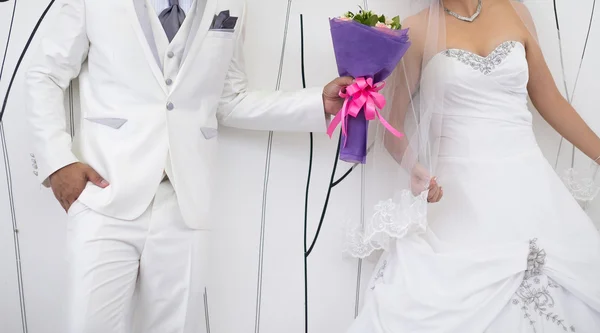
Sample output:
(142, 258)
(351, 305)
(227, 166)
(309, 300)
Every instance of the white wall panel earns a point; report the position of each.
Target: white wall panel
(40, 221)
(10, 314)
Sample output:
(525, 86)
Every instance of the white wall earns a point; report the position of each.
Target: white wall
(332, 279)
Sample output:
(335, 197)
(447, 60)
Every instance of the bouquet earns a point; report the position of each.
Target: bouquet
(367, 47)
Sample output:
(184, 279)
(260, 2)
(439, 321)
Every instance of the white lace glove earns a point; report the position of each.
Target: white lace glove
(583, 187)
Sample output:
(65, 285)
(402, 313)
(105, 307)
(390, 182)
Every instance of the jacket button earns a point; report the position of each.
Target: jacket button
(170, 54)
(169, 82)
(170, 106)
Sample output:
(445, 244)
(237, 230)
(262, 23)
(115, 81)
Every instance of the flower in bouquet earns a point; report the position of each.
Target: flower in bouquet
(367, 47)
(368, 18)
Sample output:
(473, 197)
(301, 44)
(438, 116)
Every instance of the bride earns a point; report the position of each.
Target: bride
(505, 248)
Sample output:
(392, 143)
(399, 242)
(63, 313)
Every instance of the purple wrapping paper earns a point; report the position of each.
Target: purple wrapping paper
(363, 51)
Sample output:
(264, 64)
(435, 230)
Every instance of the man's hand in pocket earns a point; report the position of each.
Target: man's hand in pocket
(68, 183)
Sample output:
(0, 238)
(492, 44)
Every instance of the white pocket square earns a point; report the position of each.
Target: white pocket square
(209, 132)
(115, 123)
(223, 30)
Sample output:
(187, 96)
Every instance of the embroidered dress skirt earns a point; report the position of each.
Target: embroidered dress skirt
(493, 259)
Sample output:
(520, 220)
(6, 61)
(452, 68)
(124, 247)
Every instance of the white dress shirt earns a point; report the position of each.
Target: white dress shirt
(160, 5)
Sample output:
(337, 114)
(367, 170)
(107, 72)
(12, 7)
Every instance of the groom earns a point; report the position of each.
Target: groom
(156, 79)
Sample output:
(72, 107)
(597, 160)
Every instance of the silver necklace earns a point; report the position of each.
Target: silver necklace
(464, 18)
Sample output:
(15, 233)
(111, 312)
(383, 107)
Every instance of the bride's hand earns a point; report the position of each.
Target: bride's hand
(421, 181)
(436, 192)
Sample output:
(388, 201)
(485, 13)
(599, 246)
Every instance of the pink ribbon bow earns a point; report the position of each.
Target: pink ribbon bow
(362, 93)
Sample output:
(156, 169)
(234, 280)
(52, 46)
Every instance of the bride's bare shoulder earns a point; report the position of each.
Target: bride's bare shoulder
(525, 16)
(417, 19)
(417, 23)
(521, 9)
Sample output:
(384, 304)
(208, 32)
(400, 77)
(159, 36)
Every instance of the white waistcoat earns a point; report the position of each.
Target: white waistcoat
(170, 54)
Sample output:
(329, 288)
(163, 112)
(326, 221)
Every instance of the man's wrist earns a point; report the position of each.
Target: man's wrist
(49, 178)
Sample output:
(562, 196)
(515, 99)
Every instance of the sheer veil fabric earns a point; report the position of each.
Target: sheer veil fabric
(508, 249)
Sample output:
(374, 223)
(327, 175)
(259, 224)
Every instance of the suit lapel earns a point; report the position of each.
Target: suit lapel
(204, 17)
(140, 23)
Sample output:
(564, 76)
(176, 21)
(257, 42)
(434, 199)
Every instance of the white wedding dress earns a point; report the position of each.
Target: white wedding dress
(508, 249)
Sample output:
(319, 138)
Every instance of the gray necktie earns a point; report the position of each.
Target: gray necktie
(172, 19)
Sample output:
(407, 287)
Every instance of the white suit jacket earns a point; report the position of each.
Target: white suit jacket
(133, 124)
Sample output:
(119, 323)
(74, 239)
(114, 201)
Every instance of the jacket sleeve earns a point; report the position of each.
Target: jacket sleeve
(299, 111)
(58, 60)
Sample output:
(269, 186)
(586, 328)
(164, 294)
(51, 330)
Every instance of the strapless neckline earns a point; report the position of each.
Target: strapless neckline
(512, 43)
(484, 64)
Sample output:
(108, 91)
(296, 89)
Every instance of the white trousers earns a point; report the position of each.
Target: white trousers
(142, 276)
